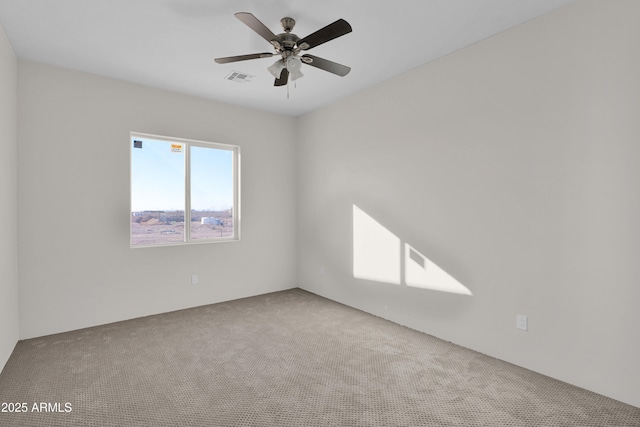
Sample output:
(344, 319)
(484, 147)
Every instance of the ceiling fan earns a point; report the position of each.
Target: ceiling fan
(289, 46)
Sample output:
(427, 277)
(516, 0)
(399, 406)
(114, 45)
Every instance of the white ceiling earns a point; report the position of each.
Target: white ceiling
(170, 44)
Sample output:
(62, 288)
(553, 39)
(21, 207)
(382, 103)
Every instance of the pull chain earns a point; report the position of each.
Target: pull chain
(295, 86)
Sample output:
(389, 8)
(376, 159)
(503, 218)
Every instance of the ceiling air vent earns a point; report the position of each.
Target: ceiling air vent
(239, 77)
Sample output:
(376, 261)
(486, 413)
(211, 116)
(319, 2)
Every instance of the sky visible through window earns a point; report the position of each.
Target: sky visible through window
(211, 179)
(158, 177)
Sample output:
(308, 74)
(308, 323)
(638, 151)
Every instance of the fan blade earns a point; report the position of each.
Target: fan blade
(323, 35)
(283, 79)
(325, 64)
(256, 25)
(243, 57)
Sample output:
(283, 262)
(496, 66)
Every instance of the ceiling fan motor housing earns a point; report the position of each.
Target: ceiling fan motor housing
(288, 41)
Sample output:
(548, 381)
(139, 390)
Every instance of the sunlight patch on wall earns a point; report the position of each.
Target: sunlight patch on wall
(421, 272)
(377, 256)
(376, 250)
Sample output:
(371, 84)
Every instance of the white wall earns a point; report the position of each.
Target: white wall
(8, 200)
(77, 267)
(513, 165)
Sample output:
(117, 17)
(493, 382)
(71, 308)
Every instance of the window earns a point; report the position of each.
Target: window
(183, 191)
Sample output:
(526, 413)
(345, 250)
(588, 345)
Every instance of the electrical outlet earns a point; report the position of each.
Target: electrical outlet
(194, 279)
(522, 322)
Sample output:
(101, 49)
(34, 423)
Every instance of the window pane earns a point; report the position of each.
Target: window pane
(157, 192)
(211, 193)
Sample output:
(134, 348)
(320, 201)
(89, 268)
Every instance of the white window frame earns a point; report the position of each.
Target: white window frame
(188, 143)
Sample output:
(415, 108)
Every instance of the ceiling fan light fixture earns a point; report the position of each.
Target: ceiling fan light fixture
(276, 68)
(293, 65)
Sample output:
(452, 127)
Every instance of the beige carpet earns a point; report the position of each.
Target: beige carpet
(284, 359)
